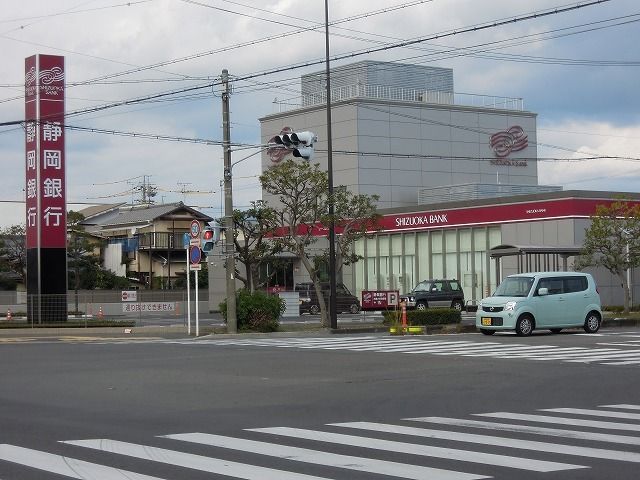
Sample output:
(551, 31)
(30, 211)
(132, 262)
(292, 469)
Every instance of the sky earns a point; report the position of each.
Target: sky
(577, 70)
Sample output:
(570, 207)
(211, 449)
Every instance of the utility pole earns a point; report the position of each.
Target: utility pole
(333, 314)
(230, 264)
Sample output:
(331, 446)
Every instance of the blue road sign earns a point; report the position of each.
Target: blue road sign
(195, 255)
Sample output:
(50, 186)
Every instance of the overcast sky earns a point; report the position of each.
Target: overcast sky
(577, 70)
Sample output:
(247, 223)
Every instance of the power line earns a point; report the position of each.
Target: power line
(475, 28)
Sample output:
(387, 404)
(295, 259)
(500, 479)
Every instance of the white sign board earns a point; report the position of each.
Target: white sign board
(129, 295)
(195, 266)
(149, 307)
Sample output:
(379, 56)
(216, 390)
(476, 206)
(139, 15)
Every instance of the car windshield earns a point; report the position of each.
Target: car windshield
(422, 287)
(514, 287)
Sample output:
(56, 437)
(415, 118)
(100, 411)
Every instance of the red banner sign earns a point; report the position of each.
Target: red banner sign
(45, 152)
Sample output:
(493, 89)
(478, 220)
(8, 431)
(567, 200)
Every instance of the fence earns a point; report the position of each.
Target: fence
(144, 307)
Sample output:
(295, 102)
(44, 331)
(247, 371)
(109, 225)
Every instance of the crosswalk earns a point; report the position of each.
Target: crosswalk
(550, 441)
(606, 355)
(619, 349)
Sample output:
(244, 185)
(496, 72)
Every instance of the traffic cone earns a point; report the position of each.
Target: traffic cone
(9, 315)
(100, 313)
(404, 316)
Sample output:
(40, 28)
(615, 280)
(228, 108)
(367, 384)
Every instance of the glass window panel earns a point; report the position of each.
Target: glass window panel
(372, 274)
(451, 265)
(383, 246)
(372, 249)
(479, 239)
(396, 244)
(437, 265)
(409, 243)
(360, 281)
(383, 275)
(495, 236)
(423, 255)
(465, 240)
(396, 273)
(358, 248)
(451, 241)
(436, 242)
(409, 269)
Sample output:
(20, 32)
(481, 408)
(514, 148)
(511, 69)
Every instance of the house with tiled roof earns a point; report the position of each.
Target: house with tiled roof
(144, 242)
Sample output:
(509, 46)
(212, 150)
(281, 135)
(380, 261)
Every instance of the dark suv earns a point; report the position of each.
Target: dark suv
(435, 293)
(345, 300)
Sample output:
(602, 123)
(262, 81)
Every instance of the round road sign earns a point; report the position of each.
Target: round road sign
(195, 229)
(195, 255)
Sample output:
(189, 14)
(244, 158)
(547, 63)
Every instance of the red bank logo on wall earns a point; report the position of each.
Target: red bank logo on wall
(45, 147)
(504, 143)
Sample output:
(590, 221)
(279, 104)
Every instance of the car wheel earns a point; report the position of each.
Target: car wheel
(314, 309)
(555, 330)
(524, 326)
(592, 322)
(487, 332)
(457, 304)
(354, 308)
(421, 306)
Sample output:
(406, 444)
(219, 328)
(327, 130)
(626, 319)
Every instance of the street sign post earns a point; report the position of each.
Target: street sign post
(195, 255)
(195, 229)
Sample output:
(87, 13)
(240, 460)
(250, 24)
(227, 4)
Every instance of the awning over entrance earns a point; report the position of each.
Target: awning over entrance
(534, 258)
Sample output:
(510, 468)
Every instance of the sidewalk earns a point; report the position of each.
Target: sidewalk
(180, 331)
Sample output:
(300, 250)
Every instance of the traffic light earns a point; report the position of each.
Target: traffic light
(210, 236)
(300, 143)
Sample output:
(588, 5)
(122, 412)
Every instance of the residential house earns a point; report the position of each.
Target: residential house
(144, 242)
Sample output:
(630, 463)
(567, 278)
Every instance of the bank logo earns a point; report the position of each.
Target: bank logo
(512, 140)
(55, 74)
(30, 77)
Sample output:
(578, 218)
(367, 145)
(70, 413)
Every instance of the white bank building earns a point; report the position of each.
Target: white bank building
(457, 177)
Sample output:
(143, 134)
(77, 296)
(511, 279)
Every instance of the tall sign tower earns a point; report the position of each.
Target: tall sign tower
(46, 209)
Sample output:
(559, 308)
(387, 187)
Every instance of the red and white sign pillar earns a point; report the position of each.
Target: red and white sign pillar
(46, 209)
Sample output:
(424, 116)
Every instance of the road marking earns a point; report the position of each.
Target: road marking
(192, 461)
(562, 421)
(499, 441)
(595, 413)
(69, 467)
(626, 406)
(349, 462)
(422, 450)
(552, 432)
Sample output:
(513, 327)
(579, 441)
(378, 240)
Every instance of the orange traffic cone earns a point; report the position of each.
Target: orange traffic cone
(100, 313)
(9, 315)
(404, 316)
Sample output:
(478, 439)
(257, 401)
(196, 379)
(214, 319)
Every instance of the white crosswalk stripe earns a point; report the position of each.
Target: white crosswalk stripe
(339, 449)
(69, 467)
(464, 348)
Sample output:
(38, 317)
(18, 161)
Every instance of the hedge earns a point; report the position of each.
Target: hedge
(430, 316)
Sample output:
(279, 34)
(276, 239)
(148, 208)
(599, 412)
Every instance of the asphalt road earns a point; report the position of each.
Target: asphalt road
(101, 408)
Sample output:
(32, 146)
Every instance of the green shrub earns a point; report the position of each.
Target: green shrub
(256, 312)
(430, 316)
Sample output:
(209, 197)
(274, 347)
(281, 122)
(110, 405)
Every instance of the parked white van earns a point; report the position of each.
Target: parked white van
(541, 300)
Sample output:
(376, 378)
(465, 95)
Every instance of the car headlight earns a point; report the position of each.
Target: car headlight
(412, 299)
(510, 306)
(305, 299)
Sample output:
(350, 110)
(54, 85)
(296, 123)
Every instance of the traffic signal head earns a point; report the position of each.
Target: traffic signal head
(306, 138)
(210, 236)
(299, 143)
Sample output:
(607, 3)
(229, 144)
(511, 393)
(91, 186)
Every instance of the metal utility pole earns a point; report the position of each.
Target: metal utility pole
(333, 314)
(230, 264)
